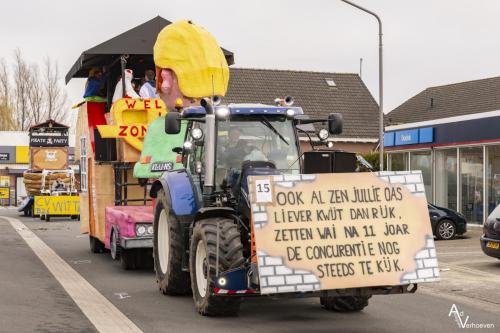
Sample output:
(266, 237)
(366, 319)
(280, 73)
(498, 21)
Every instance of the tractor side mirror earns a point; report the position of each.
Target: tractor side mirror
(172, 123)
(335, 123)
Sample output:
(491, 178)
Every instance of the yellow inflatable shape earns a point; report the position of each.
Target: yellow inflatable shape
(195, 57)
(131, 118)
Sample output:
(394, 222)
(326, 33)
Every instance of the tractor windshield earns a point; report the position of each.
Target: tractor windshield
(256, 139)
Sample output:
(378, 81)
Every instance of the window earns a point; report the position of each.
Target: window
(422, 160)
(398, 161)
(330, 82)
(471, 183)
(255, 139)
(446, 178)
(493, 178)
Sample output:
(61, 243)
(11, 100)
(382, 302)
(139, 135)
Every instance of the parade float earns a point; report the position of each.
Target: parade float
(121, 146)
(50, 182)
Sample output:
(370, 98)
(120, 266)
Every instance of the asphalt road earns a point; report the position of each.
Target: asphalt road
(31, 300)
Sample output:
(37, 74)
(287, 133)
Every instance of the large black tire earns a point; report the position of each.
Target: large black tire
(230, 257)
(344, 303)
(446, 230)
(96, 246)
(171, 279)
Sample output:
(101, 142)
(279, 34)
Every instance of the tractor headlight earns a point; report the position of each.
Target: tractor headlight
(187, 146)
(140, 230)
(323, 134)
(196, 133)
(222, 281)
(290, 113)
(150, 230)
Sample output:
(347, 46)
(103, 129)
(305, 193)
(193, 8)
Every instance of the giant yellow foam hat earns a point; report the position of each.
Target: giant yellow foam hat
(195, 57)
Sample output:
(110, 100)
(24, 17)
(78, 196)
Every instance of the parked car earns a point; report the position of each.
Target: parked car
(446, 223)
(490, 240)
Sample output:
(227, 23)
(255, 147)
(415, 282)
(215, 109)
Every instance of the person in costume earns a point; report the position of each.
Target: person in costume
(148, 89)
(129, 89)
(95, 88)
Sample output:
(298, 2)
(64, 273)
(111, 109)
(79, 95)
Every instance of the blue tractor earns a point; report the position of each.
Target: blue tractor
(202, 226)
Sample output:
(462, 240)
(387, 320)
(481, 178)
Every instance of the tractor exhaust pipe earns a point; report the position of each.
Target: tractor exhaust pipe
(210, 144)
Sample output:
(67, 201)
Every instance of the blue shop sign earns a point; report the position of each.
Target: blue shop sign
(426, 135)
(409, 137)
(388, 139)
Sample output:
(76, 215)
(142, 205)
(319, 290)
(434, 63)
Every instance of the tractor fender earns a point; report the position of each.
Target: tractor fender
(208, 212)
(179, 191)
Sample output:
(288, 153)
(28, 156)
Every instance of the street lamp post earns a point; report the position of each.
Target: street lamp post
(380, 82)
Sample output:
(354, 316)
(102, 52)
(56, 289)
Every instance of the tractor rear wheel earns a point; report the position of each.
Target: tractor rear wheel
(202, 264)
(344, 303)
(168, 250)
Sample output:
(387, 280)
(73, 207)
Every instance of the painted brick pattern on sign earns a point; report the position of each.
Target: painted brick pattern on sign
(427, 265)
(278, 278)
(412, 180)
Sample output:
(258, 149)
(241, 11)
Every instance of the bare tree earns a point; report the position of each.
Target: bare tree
(35, 98)
(7, 122)
(22, 81)
(31, 96)
(56, 98)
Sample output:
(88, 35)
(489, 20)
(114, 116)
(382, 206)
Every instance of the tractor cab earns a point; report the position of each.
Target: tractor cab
(225, 144)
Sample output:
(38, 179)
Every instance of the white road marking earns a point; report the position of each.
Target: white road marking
(122, 295)
(101, 312)
(81, 261)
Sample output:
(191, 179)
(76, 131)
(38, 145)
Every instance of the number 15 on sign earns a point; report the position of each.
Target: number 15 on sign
(263, 191)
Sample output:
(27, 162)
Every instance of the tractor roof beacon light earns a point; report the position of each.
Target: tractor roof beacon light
(179, 104)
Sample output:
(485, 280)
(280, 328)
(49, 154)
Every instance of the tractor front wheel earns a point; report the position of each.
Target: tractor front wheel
(344, 303)
(168, 250)
(203, 261)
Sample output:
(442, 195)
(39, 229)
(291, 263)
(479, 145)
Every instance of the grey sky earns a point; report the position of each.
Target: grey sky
(427, 43)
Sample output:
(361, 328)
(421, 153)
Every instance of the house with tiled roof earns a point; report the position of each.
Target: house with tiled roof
(451, 133)
(319, 94)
